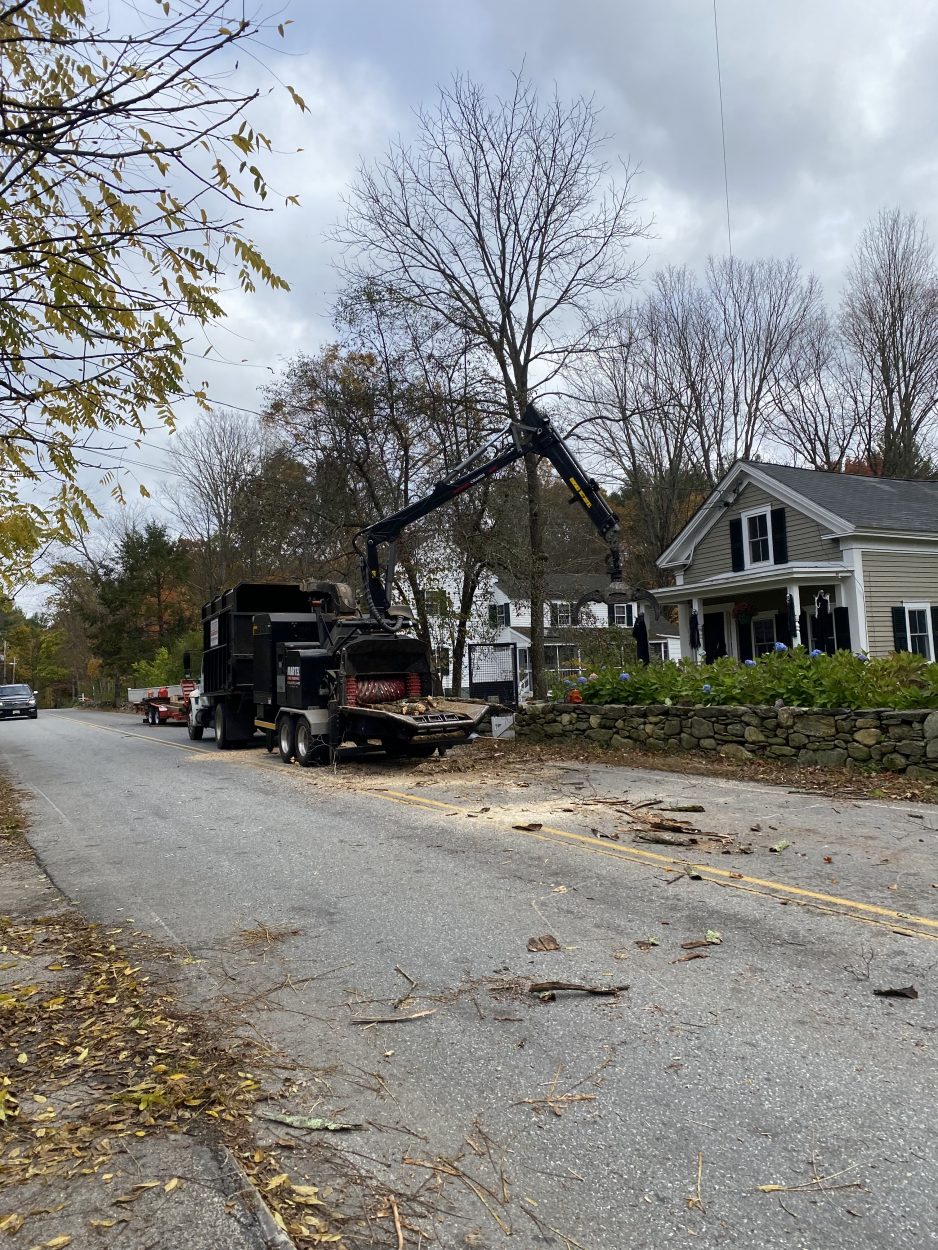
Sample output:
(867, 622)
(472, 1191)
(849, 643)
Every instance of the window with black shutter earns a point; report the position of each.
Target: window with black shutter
(737, 552)
(900, 633)
(779, 537)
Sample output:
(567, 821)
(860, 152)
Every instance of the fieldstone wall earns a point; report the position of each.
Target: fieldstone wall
(835, 738)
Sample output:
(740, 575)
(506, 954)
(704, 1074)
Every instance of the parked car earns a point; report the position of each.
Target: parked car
(17, 700)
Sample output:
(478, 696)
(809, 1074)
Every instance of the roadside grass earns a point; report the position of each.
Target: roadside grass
(95, 1049)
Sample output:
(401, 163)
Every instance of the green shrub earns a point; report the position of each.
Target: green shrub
(797, 677)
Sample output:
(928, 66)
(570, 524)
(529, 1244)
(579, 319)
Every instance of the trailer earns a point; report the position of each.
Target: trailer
(298, 663)
(166, 705)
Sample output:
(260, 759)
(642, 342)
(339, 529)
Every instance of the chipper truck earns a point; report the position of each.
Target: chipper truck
(305, 666)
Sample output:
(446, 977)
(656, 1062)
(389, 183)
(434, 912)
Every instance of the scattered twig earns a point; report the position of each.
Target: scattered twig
(662, 838)
(416, 1015)
(549, 987)
(695, 1201)
(397, 1222)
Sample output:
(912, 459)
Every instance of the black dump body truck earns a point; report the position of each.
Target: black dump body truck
(300, 663)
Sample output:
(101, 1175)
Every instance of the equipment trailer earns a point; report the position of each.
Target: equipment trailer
(302, 664)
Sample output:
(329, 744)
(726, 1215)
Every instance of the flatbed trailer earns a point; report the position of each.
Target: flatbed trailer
(168, 705)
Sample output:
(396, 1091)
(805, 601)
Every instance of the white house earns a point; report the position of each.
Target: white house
(509, 614)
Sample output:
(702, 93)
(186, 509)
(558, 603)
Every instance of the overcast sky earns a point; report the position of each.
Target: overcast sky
(830, 106)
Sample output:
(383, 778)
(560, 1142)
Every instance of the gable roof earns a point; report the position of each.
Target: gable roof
(842, 502)
(904, 505)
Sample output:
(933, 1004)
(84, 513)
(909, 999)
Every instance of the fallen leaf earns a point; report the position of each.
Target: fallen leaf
(545, 943)
(714, 938)
(780, 846)
(276, 1181)
(171, 1184)
(690, 955)
(531, 827)
(102, 1223)
(828, 859)
(908, 991)
(12, 1223)
(56, 1243)
(645, 944)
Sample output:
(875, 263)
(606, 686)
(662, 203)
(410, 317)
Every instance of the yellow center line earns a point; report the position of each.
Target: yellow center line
(720, 876)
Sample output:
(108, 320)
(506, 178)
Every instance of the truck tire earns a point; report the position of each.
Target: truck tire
(286, 738)
(195, 731)
(309, 748)
(222, 740)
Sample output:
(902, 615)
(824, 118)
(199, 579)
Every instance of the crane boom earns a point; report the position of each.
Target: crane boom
(533, 433)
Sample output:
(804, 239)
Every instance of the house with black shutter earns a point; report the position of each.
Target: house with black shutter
(827, 560)
(567, 611)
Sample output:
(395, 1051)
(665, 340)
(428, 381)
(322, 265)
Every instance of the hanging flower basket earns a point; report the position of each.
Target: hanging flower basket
(742, 611)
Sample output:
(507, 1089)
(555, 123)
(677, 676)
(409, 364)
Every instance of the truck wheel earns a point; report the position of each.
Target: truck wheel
(310, 748)
(221, 727)
(286, 738)
(195, 731)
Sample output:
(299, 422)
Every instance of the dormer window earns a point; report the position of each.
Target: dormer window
(758, 537)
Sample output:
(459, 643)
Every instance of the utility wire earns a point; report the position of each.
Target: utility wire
(726, 184)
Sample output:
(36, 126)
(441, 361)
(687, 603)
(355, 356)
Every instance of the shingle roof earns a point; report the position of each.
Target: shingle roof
(565, 587)
(881, 503)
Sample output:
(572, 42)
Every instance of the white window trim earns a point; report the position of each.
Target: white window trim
(920, 607)
(623, 624)
(744, 517)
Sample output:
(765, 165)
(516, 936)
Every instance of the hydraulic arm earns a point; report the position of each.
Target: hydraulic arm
(534, 433)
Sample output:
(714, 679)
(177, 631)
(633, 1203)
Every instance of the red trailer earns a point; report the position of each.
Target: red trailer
(169, 705)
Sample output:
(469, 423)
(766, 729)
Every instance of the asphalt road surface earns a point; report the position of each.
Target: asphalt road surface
(653, 1117)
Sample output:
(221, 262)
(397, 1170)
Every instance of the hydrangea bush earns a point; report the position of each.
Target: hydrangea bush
(796, 677)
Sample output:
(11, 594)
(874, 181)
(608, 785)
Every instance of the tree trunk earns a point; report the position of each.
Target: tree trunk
(467, 595)
(538, 562)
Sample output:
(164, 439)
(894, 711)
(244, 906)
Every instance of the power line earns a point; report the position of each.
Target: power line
(726, 184)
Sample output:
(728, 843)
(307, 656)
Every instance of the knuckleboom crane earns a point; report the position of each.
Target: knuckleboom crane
(533, 433)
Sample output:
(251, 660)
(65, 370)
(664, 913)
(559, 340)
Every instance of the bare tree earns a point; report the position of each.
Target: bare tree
(817, 400)
(498, 220)
(889, 319)
(759, 311)
(646, 402)
(215, 457)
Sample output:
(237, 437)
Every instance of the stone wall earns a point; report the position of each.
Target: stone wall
(836, 738)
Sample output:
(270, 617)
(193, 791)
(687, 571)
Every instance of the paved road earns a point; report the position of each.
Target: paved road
(581, 1122)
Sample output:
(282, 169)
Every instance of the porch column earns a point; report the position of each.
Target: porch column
(795, 593)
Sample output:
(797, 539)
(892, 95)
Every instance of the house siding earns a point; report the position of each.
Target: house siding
(712, 554)
(891, 577)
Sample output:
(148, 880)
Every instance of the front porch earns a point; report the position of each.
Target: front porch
(746, 615)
